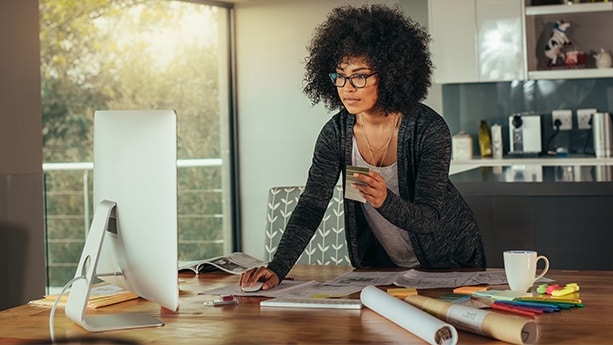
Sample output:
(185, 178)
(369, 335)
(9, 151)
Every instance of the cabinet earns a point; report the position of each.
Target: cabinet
(476, 40)
(569, 221)
(504, 40)
(590, 30)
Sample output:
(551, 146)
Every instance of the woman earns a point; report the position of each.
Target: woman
(373, 64)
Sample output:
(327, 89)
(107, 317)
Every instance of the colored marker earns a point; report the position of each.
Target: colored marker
(508, 308)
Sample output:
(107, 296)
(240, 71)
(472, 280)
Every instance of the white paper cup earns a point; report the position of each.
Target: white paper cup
(520, 268)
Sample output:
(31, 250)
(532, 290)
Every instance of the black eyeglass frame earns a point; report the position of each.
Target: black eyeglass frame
(335, 76)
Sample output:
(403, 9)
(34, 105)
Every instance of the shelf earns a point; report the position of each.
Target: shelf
(573, 8)
(579, 73)
(458, 166)
(546, 161)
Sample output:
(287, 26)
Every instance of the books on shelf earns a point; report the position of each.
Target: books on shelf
(102, 295)
(235, 263)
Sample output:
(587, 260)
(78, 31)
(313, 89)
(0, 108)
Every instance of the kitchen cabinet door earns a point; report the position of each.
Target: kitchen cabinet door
(453, 46)
(500, 43)
(476, 40)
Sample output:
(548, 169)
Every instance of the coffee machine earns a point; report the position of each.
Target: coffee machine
(525, 134)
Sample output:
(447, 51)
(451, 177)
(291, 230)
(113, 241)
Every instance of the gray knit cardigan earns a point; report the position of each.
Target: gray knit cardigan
(441, 226)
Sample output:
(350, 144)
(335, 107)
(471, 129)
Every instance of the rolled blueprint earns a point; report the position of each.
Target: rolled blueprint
(427, 327)
(510, 328)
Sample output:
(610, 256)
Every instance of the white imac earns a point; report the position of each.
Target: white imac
(132, 241)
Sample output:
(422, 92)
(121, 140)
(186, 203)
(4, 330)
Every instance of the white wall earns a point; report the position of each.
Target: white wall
(277, 125)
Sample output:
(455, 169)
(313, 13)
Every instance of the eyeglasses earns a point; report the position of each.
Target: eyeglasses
(357, 80)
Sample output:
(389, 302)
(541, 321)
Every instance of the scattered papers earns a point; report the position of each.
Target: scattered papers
(321, 290)
(101, 296)
(501, 295)
(364, 279)
(290, 288)
(429, 280)
(343, 285)
(234, 289)
(235, 263)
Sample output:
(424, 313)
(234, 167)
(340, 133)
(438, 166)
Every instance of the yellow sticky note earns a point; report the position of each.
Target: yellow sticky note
(469, 290)
(402, 292)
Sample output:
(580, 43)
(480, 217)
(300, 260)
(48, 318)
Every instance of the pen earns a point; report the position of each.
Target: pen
(546, 307)
(539, 309)
(558, 304)
(526, 308)
(547, 298)
(504, 307)
(222, 300)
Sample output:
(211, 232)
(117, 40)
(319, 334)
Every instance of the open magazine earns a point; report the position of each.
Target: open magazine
(235, 263)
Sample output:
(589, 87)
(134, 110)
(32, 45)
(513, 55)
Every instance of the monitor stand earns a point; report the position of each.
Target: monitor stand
(76, 306)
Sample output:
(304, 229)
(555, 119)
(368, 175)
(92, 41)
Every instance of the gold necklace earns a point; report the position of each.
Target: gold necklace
(386, 146)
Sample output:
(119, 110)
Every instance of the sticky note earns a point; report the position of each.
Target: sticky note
(469, 290)
(504, 295)
(402, 292)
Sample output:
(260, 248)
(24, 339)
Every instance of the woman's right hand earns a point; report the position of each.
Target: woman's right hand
(250, 277)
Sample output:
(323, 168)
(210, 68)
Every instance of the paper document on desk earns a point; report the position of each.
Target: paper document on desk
(101, 295)
(321, 290)
(363, 279)
(277, 291)
(235, 263)
(289, 288)
(429, 280)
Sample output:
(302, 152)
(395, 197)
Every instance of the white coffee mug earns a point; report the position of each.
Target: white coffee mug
(520, 268)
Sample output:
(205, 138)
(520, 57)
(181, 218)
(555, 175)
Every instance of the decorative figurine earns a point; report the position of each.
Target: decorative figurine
(556, 42)
(603, 59)
(575, 59)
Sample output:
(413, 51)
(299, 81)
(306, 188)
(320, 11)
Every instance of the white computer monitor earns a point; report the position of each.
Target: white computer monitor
(132, 241)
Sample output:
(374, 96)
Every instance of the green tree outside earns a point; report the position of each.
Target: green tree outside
(129, 54)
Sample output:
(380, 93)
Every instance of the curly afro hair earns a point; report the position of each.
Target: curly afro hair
(393, 45)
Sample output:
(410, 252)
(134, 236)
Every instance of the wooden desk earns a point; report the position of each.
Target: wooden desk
(246, 323)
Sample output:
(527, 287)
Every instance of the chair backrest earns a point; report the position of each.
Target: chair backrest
(328, 245)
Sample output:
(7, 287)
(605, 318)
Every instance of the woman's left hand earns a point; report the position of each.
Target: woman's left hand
(374, 190)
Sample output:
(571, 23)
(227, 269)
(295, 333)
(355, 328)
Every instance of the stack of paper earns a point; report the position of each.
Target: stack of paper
(101, 296)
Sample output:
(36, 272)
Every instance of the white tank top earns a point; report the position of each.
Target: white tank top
(394, 240)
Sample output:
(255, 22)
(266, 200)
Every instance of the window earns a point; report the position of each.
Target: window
(131, 54)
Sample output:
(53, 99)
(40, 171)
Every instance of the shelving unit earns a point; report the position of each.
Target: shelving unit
(579, 73)
(591, 25)
(573, 8)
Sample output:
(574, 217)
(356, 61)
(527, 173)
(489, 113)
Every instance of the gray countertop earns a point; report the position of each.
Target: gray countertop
(536, 180)
(572, 160)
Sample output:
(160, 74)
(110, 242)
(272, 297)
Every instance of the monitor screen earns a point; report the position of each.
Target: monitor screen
(132, 241)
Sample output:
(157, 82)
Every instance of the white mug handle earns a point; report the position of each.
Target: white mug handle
(541, 257)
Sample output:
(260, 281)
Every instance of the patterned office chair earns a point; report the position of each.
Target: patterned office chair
(327, 247)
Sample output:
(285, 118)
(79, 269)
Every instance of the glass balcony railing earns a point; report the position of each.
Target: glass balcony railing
(68, 198)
